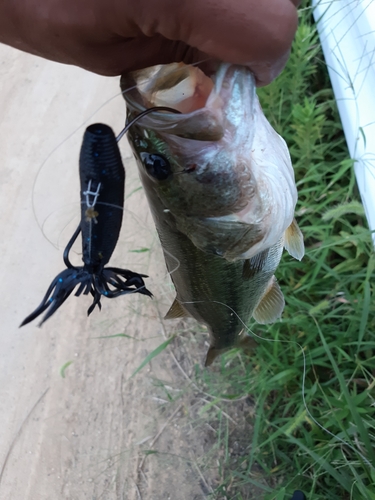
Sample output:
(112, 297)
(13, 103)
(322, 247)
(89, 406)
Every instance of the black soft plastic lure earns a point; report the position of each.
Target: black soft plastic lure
(102, 178)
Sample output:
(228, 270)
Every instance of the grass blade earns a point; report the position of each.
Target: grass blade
(152, 355)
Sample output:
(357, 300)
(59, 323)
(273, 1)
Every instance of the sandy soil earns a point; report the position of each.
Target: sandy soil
(95, 433)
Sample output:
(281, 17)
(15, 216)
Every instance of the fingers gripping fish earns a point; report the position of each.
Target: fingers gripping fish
(221, 188)
(102, 178)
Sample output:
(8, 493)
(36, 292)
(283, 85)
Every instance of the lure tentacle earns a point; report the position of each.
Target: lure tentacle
(102, 177)
(59, 290)
(98, 285)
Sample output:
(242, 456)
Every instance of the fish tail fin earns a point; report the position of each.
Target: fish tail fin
(247, 343)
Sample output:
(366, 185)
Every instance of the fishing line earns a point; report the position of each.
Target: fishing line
(118, 138)
(141, 115)
(178, 263)
(342, 441)
(57, 147)
(72, 204)
(46, 220)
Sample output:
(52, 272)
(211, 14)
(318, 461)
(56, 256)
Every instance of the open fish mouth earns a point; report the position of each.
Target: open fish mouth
(231, 185)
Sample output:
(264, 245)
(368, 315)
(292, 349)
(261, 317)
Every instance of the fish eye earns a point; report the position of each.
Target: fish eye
(157, 166)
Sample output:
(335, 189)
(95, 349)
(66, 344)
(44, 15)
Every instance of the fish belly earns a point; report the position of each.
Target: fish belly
(209, 288)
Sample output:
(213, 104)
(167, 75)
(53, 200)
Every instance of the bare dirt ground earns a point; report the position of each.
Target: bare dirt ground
(95, 433)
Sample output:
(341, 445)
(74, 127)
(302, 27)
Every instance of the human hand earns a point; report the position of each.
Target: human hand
(111, 37)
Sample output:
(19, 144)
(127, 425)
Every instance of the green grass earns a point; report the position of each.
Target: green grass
(325, 447)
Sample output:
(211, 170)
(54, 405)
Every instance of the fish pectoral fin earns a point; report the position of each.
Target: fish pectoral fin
(293, 241)
(254, 265)
(271, 305)
(176, 311)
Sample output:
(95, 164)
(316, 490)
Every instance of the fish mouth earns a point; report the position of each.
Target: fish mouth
(202, 100)
(209, 144)
(185, 88)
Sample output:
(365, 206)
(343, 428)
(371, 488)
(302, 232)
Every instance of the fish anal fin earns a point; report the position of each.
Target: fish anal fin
(176, 311)
(247, 343)
(293, 241)
(212, 354)
(244, 341)
(271, 305)
(254, 265)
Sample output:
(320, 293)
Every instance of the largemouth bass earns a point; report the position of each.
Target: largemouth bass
(220, 184)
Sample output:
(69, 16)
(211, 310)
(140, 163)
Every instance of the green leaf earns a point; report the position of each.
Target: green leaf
(64, 367)
(152, 355)
(355, 415)
(353, 207)
(116, 335)
(140, 250)
(341, 478)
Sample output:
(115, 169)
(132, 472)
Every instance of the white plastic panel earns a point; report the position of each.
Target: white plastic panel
(347, 34)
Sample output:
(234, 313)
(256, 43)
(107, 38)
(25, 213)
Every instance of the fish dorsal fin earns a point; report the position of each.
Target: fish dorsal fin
(254, 265)
(293, 241)
(176, 311)
(271, 305)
